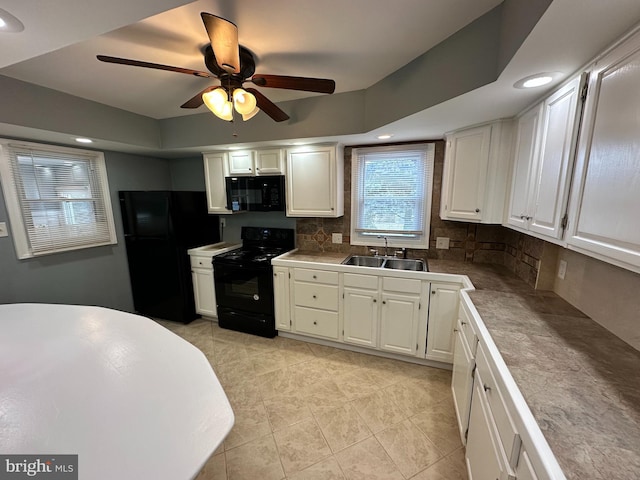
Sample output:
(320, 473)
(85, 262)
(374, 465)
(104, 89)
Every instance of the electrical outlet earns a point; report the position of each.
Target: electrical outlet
(562, 269)
(442, 243)
(3, 230)
(336, 238)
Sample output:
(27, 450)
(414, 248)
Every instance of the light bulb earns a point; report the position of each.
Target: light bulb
(218, 102)
(250, 115)
(244, 101)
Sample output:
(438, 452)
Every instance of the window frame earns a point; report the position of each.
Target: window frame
(19, 231)
(357, 161)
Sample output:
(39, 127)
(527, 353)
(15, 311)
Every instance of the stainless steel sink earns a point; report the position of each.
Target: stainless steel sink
(386, 262)
(406, 264)
(364, 261)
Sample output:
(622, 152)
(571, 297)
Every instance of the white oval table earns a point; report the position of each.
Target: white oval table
(131, 398)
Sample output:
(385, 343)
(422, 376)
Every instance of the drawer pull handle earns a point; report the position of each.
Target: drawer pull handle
(315, 296)
(374, 300)
(384, 302)
(314, 277)
(486, 389)
(455, 329)
(315, 323)
(463, 323)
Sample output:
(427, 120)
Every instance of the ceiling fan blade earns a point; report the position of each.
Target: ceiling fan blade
(157, 66)
(224, 40)
(268, 107)
(196, 100)
(319, 85)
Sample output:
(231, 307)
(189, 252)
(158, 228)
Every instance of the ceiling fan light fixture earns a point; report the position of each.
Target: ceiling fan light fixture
(250, 115)
(218, 102)
(244, 102)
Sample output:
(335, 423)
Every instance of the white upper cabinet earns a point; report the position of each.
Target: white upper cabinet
(315, 182)
(256, 162)
(215, 170)
(605, 197)
(525, 152)
(543, 156)
(475, 179)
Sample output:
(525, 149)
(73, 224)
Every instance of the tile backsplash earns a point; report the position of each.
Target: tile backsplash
(469, 242)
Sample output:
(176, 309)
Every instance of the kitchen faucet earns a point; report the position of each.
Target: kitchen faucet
(385, 244)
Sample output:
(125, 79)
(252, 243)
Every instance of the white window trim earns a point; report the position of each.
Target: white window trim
(18, 229)
(422, 242)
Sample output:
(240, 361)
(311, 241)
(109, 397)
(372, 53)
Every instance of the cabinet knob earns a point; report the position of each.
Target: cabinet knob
(314, 277)
(315, 323)
(433, 292)
(374, 300)
(249, 169)
(486, 389)
(477, 210)
(384, 302)
(455, 329)
(275, 274)
(463, 323)
(528, 218)
(314, 296)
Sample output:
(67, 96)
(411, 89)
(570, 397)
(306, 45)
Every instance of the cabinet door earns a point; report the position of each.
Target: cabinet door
(311, 183)
(555, 160)
(606, 194)
(241, 162)
(204, 291)
(399, 323)
(526, 150)
(360, 314)
(467, 163)
(281, 297)
(215, 170)
(270, 162)
(484, 458)
(462, 382)
(525, 470)
(443, 315)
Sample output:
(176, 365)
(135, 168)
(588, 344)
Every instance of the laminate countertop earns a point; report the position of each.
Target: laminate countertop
(580, 381)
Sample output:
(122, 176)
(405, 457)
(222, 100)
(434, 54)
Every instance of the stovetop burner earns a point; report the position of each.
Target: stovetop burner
(259, 246)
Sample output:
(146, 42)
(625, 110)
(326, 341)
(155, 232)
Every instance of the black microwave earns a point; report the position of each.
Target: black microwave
(255, 194)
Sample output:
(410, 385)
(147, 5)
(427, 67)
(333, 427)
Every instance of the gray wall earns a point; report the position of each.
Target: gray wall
(94, 276)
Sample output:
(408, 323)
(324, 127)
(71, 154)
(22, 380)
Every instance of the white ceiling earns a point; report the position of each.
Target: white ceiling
(357, 43)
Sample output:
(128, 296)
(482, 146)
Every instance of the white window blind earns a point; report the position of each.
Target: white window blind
(391, 194)
(58, 198)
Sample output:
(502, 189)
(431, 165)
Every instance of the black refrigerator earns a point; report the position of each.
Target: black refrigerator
(159, 228)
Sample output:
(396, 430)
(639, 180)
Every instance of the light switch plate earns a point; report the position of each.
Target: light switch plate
(442, 243)
(562, 269)
(336, 238)
(3, 229)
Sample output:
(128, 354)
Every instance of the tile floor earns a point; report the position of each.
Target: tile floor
(306, 412)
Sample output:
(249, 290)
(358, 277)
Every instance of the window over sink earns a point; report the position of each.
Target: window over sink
(391, 189)
(57, 198)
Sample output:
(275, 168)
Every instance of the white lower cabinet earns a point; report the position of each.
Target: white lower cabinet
(399, 323)
(443, 310)
(203, 286)
(281, 297)
(462, 381)
(315, 303)
(525, 470)
(361, 309)
(484, 456)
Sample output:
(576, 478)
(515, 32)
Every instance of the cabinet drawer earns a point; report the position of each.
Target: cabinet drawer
(316, 322)
(201, 262)
(467, 330)
(369, 282)
(504, 424)
(315, 276)
(403, 285)
(316, 295)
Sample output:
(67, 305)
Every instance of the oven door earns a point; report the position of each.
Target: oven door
(244, 288)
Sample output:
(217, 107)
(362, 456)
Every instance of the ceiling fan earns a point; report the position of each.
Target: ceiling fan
(233, 65)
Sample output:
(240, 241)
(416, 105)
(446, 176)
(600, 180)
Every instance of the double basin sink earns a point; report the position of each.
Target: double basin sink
(387, 262)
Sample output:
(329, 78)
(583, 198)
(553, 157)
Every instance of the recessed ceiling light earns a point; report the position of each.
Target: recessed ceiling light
(9, 23)
(537, 80)
(83, 140)
(386, 136)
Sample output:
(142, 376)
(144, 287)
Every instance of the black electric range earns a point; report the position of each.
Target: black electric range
(244, 280)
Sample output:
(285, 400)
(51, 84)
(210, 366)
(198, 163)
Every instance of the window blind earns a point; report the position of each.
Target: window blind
(62, 198)
(391, 186)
